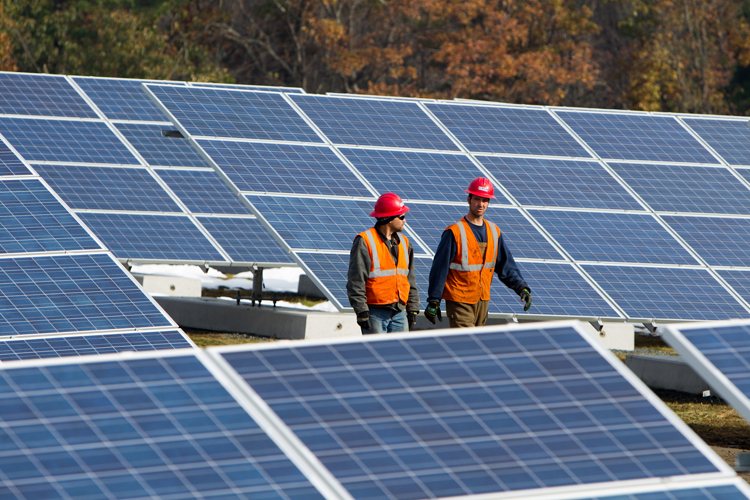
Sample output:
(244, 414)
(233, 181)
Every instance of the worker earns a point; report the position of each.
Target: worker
(468, 253)
(381, 285)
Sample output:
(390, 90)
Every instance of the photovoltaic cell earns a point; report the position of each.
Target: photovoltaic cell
(237, 114)
(417, 176)
(159, 150)
(557, 290)
(65, 141)
(32, 220)
(670, 188)
(524, 240)
(283, 168)
(620, 136)
(373, 122)
(729, 138)
(495, 129)
(157, 237)
(456, 414)
(292, 90)
(245, 240)
(10, 164)
(82, 345)
(122, 99)
(41, 95)
(71, 293)
(137, 428)
(203, 192)
(720, 241)
(721, 492)
(739, 280)
(560, 183)
(107, 188)
(613, 237)
(666, 293)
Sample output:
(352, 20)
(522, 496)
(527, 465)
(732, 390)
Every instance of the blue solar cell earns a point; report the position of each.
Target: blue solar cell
(41, 95)
(724, 492)
(739, 280)
(417, 176)
(82, 345)
(283, 168)
(157, 237)
(245, 240)
(720, 241)
(670, 188)
(122, 99)
(264, 88)
(65, 141)
(523, 239)
(730, 138)
(203, 192)
(495, 129)
(71, 293)
(238, 114)
(666, 293)
(613, 237)
(10, 164)
(560, 183)
(373, 122)
(141, 428)
(32, 220)
(467, 413)
(108, 188)
(557, 289)
(619, 136)
(159, 150)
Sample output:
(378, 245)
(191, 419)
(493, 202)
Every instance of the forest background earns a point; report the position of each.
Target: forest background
(656, 55)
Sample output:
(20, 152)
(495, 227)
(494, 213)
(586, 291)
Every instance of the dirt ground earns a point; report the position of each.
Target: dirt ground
(728, 455)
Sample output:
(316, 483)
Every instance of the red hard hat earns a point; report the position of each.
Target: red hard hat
(388, 205)
(481, 187)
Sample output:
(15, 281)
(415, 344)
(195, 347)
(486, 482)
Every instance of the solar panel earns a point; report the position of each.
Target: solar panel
(373, 122)
(728, 137)
(739, 280)
(719, 241)
(511, 130)
(203, 192)
(65, 141)
(559, 183)
(159, 150)
(671, 188)
(736, 491)
(666, 293)
(499, 409)
(284, 168)
(613, 237)
(621, 136)
(33, 220)
(108, 188)
(122, 99)
(238, 114)
(245, 240)
(292, 90)
(151, 237)
(417, 176)
(82, 345)
(41, 95)
(10, 164)
(71, 293)
(135, 428)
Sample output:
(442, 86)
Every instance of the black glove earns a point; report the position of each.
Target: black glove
(526, 297)
(432, 311)
(363, 320)
(412, 319)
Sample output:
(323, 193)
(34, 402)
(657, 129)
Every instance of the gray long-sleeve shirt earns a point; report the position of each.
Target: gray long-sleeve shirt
(359, 270)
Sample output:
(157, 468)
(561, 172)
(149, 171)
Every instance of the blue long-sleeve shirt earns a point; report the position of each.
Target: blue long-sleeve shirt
(505, 266)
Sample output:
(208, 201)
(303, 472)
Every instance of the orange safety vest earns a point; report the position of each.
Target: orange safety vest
(387, 282)
(470, 275)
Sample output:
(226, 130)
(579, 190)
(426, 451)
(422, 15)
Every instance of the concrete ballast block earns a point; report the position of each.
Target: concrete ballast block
(666, 372)
(171, 286)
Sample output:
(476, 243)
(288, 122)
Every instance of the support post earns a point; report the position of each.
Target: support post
(257, 285)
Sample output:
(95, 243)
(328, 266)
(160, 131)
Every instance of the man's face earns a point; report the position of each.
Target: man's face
(397, 224)
(478, 206)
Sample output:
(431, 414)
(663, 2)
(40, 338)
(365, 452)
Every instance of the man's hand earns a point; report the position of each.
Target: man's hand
(412, 319)
(432, 311)
(363, 320)
(526, 297)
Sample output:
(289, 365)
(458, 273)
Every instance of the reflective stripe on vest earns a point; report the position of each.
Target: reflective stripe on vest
(377, 271)
(464, 265)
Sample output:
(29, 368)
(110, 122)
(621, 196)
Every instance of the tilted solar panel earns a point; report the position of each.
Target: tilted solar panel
(121, 98)
(729, 138)
(159, 150)
(720, 241)
(41, 95)
(9, 162)
(739, 280)
(736, 491)
(264, 88)
(203, 192)
(245, 240)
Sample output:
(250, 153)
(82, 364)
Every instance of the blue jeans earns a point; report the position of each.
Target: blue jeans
(386, 321)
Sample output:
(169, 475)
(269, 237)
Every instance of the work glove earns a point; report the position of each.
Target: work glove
(412, 319)
(432, 311)
(363, 320)
(526, 297)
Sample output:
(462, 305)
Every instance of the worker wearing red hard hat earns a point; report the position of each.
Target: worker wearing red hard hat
(381, 285)
(469, 253)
